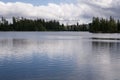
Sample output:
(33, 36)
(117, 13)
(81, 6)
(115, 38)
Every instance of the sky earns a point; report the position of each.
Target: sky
(66, 11)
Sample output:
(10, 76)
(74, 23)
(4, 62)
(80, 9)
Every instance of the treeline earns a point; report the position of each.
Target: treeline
(100, 25)
(23, 24)
(77, 27)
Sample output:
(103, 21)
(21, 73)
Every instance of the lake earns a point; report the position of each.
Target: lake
(59, 56)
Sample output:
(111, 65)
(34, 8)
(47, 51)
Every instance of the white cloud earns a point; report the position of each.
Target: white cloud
(83, 10)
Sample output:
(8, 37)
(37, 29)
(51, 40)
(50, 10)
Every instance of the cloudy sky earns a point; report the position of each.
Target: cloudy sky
(73, 10)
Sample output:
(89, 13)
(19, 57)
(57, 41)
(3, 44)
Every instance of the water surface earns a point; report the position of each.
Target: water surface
(59, 56)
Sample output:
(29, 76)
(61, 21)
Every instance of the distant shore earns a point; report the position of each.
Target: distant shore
(98, 25)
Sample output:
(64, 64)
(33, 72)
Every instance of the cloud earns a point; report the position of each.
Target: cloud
(81, 12)
(103, 8)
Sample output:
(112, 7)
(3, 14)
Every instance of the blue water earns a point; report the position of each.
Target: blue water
(59, 56)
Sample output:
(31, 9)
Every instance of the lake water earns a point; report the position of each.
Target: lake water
(59, 56)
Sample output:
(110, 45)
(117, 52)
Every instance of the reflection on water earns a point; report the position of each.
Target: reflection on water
(107, 59)
(58, 58)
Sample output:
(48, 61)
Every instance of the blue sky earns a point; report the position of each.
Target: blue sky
(41, 2)
(82, 10)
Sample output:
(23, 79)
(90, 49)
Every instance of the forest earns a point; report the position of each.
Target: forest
(23, 24)
(98, 25)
